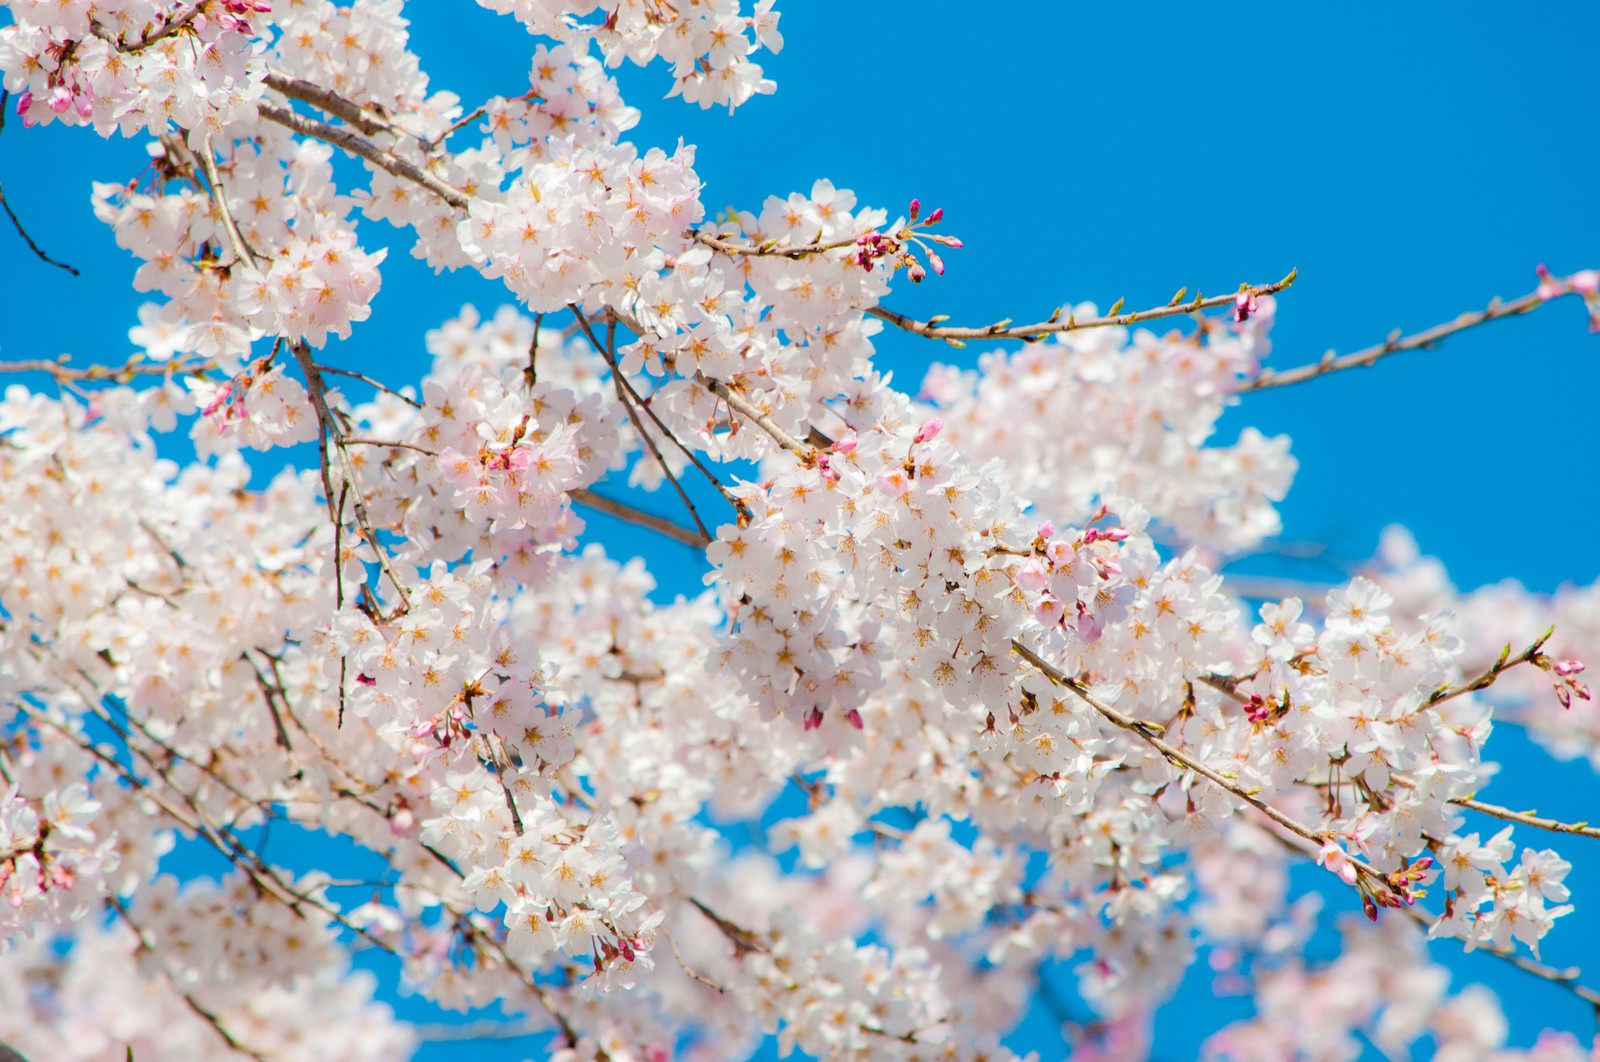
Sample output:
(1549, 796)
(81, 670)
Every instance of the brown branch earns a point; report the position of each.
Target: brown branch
(934, 329)
(392, 444)
(1505, 663)
(5, 99)
(385, 388)
(355, 145)
(1150, 734)
(172, 28)
(1396, 343)
(628, 514)
(1528, 818)
(324, 99)
(638, 426)
(270, 694)
(767, 248)
(332, 432)
(753, 411)
(124, 373)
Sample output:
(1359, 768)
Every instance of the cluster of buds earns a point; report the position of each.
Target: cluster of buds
(1259, 709)
(1584, 283)
(66, 92)
(853, 717)
(1403, 888)
(236, 13)
(229, 399)
(897, 246)
(1563, 674)
(1244, 304)
(448, 726)
(824, 462)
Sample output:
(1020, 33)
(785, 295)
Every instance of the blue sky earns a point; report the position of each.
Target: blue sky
(1411, 160)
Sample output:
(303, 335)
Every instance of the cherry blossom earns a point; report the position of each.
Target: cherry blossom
(970, 694)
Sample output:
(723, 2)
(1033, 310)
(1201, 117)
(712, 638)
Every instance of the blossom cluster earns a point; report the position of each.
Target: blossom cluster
(967, 696)
(707, 44)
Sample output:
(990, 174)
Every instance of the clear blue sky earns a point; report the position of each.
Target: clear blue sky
(1411, 160)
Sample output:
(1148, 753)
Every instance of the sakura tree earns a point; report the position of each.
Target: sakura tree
(966, 693)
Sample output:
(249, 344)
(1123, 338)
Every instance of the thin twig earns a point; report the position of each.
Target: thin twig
(629, 514)
(638, 426)
(355, 145)
(753, 411)
(1150, 733)
(1396, 343)
(124, 373)
(768, 249)
(270, 694)
(933, 329)
(412, 402)
(1528, 818)
(392, 444)
(171, 28)
(16, 222)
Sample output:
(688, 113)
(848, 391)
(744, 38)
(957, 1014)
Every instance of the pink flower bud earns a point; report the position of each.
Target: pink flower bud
(853, 717)
(1549, 286)
(220, 400)
(1244, 304)
(1585, 282)
(1567, 667)
(928, 430)
(937, 216)
(916, 208)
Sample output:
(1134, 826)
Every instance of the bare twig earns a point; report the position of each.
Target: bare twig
(270, 694)
(370, 122)
(638, 426)
(385, 388)
(124, 373)
(1396, 343)
(766, 249)
(16, 222)
(1505, 663)
(171, 28)
(1528, 818)
(629, 514)
(934, 329)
